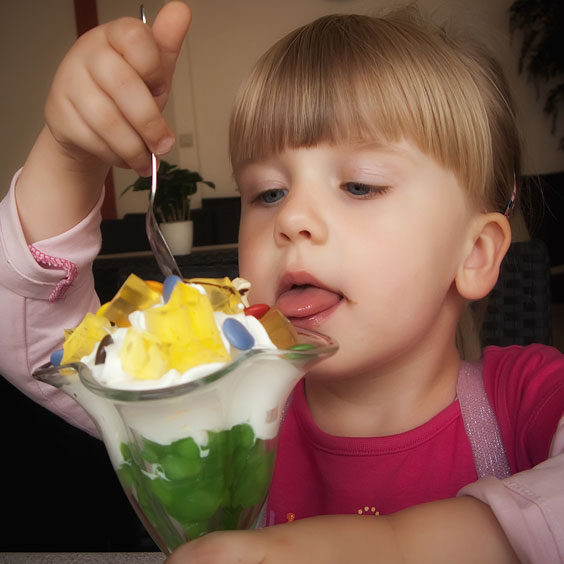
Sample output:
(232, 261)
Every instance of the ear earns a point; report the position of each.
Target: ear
(489, 239)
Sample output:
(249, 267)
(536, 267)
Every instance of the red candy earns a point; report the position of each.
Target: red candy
(257, 310)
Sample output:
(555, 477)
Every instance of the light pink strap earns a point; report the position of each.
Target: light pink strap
(480, 423)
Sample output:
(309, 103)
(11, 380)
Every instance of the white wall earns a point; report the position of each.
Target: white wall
(34, 36)
(225, 38)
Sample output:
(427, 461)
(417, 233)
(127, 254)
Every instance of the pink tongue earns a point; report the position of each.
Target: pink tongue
(303, 301)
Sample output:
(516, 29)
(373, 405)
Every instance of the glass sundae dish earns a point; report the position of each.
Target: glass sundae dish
(187, 386)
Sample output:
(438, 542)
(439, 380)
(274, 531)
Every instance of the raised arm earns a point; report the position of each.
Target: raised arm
(104, 108)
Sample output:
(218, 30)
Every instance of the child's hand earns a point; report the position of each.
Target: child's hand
(104, 106)
(440, 532)
(301, 542)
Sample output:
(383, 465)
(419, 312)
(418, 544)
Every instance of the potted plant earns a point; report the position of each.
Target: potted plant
(542, 48)
(172, 203)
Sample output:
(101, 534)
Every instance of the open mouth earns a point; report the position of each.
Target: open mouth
(306, 303)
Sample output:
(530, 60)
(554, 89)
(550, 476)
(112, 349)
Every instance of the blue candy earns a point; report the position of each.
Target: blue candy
(168, 286)
(237, 334)
(56, 357)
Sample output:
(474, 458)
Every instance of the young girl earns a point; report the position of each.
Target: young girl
(377, 162)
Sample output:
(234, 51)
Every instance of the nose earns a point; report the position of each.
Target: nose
(301, 218)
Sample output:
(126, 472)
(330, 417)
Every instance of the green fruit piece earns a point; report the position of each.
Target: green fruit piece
(252, 485)
(238, 463)
(125, 476)
(126, 452)
(197, 504)
(230, 519)
(178, 468)
(218, 443)
(162, 491)
(187, 448)
(144, 498)
(152, 452)
(243, 436)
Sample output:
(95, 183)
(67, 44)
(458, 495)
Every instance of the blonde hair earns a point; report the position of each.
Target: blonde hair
(360, 78)
(354, 77)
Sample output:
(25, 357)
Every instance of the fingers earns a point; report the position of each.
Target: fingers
(108, 93)
(134, 42)
(227, 547)
(133, 103)
(153, 52)
(169, 31)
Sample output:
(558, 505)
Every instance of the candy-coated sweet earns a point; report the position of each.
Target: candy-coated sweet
(168, 286)
(82, 340)
(281, 332)
(134, 295)
(257, 310)
(56, 357)
(237, 334)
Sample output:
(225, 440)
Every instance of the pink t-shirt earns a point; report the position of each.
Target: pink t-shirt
(317, 473)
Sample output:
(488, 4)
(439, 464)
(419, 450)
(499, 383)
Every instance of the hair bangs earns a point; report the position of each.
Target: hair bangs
(361, 79)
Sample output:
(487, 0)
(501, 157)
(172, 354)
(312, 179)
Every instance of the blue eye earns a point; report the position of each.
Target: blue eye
(363, 190)
(272, 196)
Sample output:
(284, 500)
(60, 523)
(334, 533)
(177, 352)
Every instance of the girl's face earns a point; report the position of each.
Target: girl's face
(361, 242)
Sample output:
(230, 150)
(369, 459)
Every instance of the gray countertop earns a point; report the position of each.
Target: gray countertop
(81, 558)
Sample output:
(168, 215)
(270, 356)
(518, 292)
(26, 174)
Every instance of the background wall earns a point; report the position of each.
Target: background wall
(225, 39)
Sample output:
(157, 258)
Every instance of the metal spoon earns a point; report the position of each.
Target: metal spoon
(162, 253)
(159, 246)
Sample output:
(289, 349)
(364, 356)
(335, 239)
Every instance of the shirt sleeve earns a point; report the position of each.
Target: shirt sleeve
(44, 289)
(529, 505)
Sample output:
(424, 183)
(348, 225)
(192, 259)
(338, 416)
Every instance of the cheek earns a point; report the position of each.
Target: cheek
(253, 262)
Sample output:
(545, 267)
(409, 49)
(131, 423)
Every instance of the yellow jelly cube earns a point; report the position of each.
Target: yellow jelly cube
(142, 356)
(281, 332)
(82, 340)
(187, 324)
(195, 353)
(134, 295)
(222, 294)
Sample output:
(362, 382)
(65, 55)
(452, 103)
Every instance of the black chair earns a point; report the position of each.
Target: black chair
(518, 309)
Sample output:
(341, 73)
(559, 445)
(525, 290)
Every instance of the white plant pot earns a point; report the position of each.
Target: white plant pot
(179, 236)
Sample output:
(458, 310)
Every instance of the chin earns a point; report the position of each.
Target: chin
(332, 369)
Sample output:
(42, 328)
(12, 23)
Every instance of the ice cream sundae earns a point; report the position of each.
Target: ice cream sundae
(187, 384)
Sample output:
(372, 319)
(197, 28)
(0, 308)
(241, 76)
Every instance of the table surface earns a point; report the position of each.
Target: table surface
(81, 558)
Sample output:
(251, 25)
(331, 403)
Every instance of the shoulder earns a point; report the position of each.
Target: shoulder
(526, 388)
(523, 366)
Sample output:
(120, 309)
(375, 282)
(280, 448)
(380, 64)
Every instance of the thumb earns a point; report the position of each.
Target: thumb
(169, 31)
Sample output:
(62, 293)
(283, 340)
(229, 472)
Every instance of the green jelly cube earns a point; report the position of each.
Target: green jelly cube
(152, 452)
(187, 448)
(197, 504)
(243, 436)
(178, 468)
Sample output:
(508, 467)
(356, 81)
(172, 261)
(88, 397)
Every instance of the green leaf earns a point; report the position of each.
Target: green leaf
(174, 188)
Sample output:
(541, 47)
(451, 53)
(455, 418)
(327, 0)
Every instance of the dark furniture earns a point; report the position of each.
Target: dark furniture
(215, 223)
